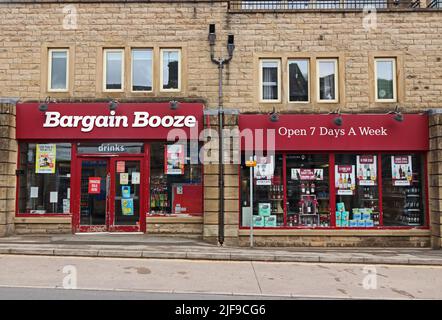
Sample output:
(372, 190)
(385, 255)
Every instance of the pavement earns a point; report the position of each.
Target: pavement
(157, 247)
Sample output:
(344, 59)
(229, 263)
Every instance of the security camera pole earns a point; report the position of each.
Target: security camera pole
(221, 62)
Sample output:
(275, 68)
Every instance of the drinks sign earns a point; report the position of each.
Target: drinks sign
(307, 174)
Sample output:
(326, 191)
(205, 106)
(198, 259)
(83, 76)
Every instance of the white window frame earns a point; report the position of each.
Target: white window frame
(261, 100)
(132, 70)
(318, 91)
(50, 51)
(288, 80)
(394, 62)
(162, 50)
(105, 51)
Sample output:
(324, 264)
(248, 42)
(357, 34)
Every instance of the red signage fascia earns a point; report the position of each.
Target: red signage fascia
(358, 132)
(30, 121)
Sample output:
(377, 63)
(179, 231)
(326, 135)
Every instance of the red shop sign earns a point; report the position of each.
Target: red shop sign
(94, 185)
(95, 121)
(359, 132)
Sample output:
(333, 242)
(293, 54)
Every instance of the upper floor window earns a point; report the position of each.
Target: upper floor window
(327, 70)
(113, 70)
(142, 69)
(269, 77)
(170, 69)
(58, 74)
(385, 79)
(298, 80)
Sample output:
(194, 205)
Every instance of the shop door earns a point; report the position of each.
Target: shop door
(125, 205)
(110, 195)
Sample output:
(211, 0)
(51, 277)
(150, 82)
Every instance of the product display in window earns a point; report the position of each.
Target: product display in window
(402, 190)
(175, 184)
(307, 190)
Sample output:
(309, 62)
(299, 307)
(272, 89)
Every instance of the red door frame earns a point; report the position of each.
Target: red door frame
(110, 206)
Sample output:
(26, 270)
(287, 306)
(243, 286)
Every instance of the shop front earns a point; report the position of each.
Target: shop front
(350, 179)
(109, 169)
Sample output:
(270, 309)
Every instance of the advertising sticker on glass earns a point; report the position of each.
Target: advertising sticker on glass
(174, 159)
(401, 170)
(367, 170)
(345, 179)
(45, 158)
(307, 174)
(264, 170)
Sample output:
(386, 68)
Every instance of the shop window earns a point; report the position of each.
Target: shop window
(356, 185)
(58, 73)
(113, 70)
(170, 69)
(298, 80)
(308, 188)
(268, 193)
(385, 79)
(327, 70)
(175, 180)
(142, 70)
(403, 190)
(44, 178)
(269, 75)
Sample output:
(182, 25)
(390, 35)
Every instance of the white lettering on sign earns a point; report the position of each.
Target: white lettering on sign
(331, 132)
(141, 119)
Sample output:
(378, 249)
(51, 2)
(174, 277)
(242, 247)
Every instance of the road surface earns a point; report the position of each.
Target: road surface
(44, 277)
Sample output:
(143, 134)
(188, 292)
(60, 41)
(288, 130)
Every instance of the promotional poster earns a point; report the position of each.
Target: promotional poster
(45, 158)
(367, 170)
(307, 174)
(345, 179)
(401, 170)
(174, 159)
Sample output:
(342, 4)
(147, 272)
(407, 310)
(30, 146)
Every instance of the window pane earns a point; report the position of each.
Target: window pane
(384, 70)
(175, 191)
(58, 69)
(327, 4)
(268, 193)
(44, 187)
(298, 80)
(113, 70)
(141, 70)
(170, 69)
(403, 190)
(308, 190)
(327, 77)
(270, 80)
(357, 197)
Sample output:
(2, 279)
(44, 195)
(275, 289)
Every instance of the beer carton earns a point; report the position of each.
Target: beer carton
(357, 216)
(345, 216)
(366, 216)
(340, 206)
(338, 215)
(264, 209)
(270, 221)
(369, 223)
(361, 223)
(344, 223)
(258, 221)
(353, 223)
(338, 223)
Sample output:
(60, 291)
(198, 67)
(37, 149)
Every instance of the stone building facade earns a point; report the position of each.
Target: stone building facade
(413, 35)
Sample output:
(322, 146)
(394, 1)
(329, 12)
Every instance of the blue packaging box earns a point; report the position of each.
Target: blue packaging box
(366, 216)
(345, 216)
(338, 223)
(344, 223)
(357, 216)
(369, 223)
(353, 223)
(338, 215)
(361, 223)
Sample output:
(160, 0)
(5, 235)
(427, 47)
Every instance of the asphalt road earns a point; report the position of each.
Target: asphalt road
(43, 277)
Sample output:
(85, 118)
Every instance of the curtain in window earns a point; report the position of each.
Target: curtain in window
(270, 80)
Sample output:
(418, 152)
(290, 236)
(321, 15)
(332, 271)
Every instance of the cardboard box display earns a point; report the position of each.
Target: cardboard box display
(340, 206)
(338, 215)
(353, 223)
(338, 223)
(258, 221)
(270, 221)
(361, 223)
(357, 216)
(264, 209)
(345, 216)
(366, 216)
(344, 223)
(369, 223)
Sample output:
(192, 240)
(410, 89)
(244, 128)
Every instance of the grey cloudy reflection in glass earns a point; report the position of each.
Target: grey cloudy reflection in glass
(142, 70)
(113, 70)
(170, 69)
(58, 70)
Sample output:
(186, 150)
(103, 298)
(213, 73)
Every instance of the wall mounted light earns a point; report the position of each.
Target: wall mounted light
(398, 116)
(113, 105)
(274, 116)
(174, 105)
(45, 105)
(338, 119)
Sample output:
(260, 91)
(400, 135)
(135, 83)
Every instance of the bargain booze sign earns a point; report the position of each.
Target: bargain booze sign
(359, 132)
(96, 121)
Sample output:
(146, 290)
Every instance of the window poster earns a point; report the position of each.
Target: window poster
(127, 207)
(307, 174)
(135, 178)
(45, 158)
(121, 166)
(174, 159)
(366, 169)
(125, 192)
(265, 167)
(94, 186)
(53, 197)
(401, 170)
(124, 178)
(34, 192)
(345, 179)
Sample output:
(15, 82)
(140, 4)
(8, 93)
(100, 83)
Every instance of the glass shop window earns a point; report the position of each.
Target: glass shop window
(170, 69)
(44, 178)
(308, 190)
(357, 190)
(403, 190)
(175, 179)
(268, 193)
